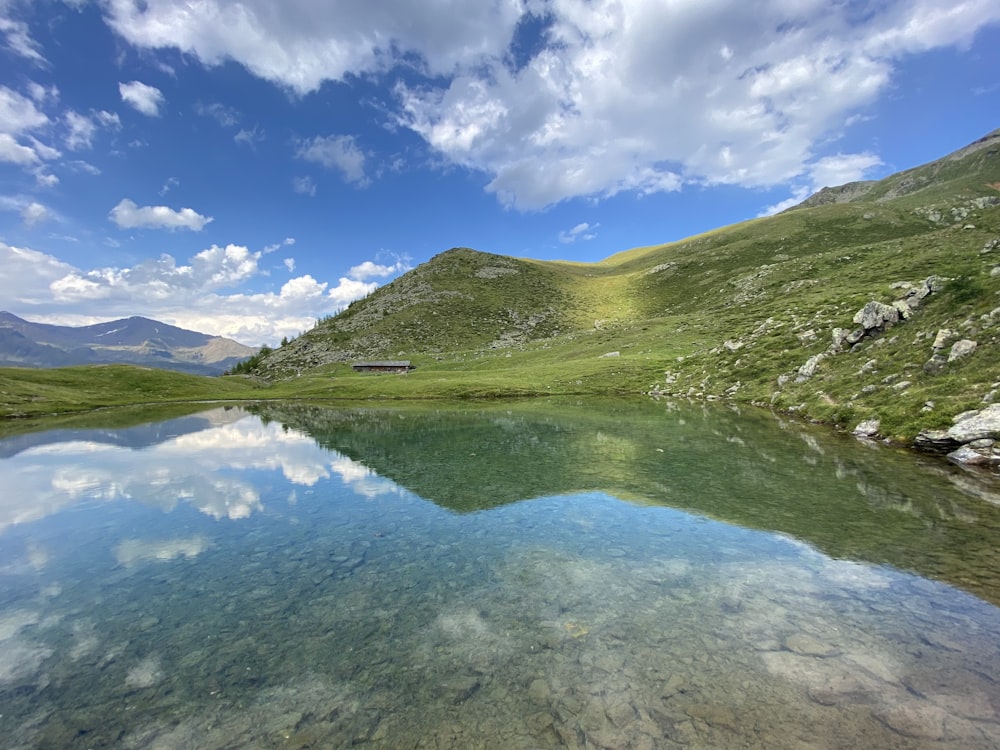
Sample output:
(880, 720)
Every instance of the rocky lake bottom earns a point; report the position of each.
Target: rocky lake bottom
(233, 581)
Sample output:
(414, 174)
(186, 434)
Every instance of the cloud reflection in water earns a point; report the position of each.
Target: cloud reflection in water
(200, 468)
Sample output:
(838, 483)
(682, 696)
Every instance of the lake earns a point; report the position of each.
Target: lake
(581, 574)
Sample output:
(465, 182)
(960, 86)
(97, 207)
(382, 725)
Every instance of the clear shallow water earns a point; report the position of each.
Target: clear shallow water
(316, 578)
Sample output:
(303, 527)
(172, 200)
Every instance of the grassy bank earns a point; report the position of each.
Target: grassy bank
(28, 393)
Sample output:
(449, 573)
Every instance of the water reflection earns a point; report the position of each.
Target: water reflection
(209, 463)
(283, 582)
(751, 469)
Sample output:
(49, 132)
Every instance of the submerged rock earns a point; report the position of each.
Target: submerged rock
(805, 645)
(920, 721)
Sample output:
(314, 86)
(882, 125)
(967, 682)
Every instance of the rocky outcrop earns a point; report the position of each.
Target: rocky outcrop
(874, 319)
(970, 441)
(809, 368)
(959, 350)
(875, 316)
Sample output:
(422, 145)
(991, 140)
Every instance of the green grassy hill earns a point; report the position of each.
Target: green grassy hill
(755, 312)
(731, 313)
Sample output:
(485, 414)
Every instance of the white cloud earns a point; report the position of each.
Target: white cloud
(44, 152)
(249, 136)
(82, 128)
(144, 98)
(169, 185)
(304, 186)
(348, 290)
(299, 44)
(44, 179)
(289, 264)
(14, 153)
(25, 275)
(127, 215)
(798, 195)
(369, 269)
(641, 96)
(338, 152)
(79, 165)
(34, 213)
(42, 94)
(227, 117)
(224, 266)
(582, 232)
(287, 242)
(160, 281)
(830, 171)
(19, 41)
(81, 131)
(18, 117)
(207, 293)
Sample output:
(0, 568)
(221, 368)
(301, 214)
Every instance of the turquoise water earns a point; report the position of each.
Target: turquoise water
(586, 576)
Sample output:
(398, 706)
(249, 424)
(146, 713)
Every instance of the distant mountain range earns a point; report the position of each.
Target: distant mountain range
(135, 340)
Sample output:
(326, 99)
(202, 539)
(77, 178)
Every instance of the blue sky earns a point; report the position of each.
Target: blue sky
(243, 168)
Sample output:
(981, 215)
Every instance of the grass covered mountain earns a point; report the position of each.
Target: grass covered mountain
(134, 340)
(766, 311)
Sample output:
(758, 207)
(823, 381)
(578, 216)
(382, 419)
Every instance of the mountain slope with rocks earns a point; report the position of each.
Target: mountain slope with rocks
(872, 306)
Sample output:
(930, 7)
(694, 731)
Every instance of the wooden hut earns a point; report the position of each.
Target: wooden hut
(401, 366)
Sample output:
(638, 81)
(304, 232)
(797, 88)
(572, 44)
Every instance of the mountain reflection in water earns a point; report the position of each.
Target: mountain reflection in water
(587, 574)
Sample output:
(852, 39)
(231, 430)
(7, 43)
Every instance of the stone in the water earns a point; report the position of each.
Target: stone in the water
(539, 692)
(838, 688)
(958, 691)
(463, 688)
(145, 674)
(539, 722)
(714, 715)
(969, 456)
(806, 645)
(917, 719)
(879, 665)
(620, 712)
